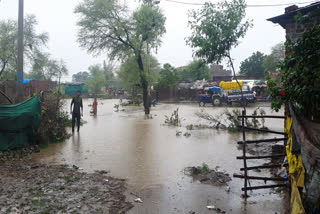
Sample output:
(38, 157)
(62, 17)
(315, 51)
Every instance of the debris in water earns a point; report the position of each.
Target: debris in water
(212, 207)
(138, 200)
(174, 119)
(75, 167)
(208, 176)
(187, 134)
(178, 133)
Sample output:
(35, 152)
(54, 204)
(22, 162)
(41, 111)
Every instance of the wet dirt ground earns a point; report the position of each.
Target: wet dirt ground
(152, 159)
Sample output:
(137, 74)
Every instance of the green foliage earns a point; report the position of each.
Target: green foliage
(33, 43)
(199, 170)
(168, 77)
(108, 26)
(129, 73)
(81, 77)
(235, 121)
(271, 62)
(95, 84)
(174, 119)
(196, 70)
(205, 168)
(100, 76)
(216, 29)
(44, 68)
(53, 121)
(300, 76)
(253, 66)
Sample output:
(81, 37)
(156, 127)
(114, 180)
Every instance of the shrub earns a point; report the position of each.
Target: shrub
(299, 81)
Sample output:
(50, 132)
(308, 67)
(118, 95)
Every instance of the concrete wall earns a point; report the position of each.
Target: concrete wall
(294, 30)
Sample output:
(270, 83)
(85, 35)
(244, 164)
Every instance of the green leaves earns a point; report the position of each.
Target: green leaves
(168, 77)
(300, 76)
(253, 66)
(149, 25)
(108, 26)
(195, 70)
(216, 29)
(33, 43)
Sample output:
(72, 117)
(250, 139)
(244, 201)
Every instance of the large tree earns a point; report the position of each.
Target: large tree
(33, 43)
(129, 73)
(81, 77)
(109, 26)
(169, 77)
(253, 66)
(43, 67)
(195, 70)
(216, 29)
(277, 56)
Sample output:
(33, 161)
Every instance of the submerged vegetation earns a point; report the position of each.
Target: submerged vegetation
(231, 120)
(174, 119)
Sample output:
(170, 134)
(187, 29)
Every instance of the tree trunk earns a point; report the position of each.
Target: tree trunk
(58, 96)
(145, 86)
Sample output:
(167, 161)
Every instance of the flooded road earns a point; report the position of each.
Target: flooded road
(152, 158)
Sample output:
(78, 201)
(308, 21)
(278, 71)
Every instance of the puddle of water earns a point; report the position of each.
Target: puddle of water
(152, 158)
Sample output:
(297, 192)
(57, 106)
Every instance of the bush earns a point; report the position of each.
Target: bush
(53, 120)
(299, 81)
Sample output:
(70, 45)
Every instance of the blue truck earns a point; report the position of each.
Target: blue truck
(217, 96)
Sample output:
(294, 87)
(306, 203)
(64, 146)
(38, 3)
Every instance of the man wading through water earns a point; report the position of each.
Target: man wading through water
(76, 113)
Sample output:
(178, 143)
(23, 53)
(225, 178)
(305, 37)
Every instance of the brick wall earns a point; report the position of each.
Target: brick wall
(294, 30)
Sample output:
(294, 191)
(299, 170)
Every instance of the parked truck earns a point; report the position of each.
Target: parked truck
(228, 93)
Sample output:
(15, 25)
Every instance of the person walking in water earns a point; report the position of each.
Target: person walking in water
(77, 111)
(95, 106)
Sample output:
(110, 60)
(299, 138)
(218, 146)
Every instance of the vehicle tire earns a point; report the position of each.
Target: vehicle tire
(202, 104)
(216, 101)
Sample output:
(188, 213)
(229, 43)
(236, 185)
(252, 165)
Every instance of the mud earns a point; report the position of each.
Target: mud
(208, 176)
(19, 154)
(38, 188)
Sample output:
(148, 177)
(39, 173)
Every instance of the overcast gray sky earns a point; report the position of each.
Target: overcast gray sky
(57, 18)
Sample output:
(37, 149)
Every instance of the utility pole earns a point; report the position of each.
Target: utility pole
(20, 94)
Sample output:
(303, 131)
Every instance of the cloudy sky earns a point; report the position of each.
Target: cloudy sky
(57, 18)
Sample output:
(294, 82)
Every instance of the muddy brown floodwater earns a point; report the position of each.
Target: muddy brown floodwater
(152, 159)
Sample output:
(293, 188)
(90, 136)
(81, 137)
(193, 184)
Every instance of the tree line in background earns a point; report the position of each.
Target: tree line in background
(126, 76)
(260, 65)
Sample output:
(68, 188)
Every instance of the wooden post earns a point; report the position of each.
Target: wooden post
(244, 155)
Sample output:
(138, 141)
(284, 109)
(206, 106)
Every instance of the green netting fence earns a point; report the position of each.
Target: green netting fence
(19, 123)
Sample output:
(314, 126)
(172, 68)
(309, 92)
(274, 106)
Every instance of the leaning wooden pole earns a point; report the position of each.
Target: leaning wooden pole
(244, 154)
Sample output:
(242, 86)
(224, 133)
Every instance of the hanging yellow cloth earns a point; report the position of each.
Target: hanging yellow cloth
(296, 172)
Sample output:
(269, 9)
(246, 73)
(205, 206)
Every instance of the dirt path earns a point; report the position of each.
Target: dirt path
(32, 188)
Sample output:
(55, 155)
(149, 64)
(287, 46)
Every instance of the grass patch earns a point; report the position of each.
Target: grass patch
(70, 179)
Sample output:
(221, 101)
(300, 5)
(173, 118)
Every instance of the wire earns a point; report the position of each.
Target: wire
(250, 5)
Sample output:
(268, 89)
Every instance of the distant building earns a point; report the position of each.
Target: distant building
(218, 74)
(72, 88)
